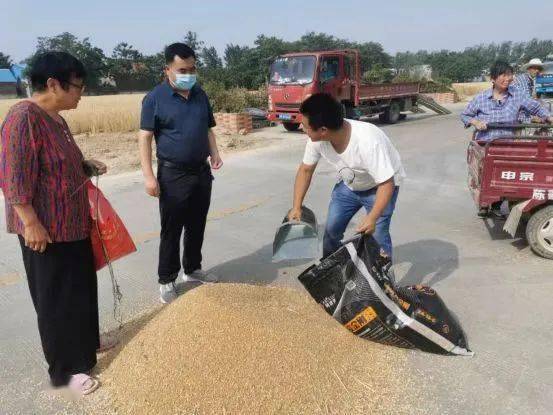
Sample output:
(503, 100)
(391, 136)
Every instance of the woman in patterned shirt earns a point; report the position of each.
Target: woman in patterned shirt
(42, 172)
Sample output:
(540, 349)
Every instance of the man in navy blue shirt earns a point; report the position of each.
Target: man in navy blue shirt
(178, 115)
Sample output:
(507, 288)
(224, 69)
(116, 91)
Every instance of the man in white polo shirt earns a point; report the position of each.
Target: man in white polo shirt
(369, 172)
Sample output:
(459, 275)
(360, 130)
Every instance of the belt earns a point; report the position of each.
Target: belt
(186, 167)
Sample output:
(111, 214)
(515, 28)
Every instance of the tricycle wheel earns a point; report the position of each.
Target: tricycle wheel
(291, 126)
(539, 232)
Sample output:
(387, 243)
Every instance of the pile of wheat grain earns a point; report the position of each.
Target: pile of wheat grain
(240, 349)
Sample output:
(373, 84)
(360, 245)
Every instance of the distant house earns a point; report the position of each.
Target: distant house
(24, 87)
(416, 72)
(18, 71)
(421, 72)
(8, 84)
(13, 82)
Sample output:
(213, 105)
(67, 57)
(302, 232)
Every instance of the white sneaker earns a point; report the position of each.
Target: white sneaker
(167, 292)
(199, 276)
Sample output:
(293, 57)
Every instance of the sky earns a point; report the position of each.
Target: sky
(398, 25)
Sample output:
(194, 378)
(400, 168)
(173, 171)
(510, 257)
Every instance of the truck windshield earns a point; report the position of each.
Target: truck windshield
(548, 68)
(293, 70)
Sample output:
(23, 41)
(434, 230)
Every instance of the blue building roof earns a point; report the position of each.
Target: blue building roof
(6, 76)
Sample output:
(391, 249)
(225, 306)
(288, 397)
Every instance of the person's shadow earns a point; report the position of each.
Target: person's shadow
(431, 261)
(255, 268)
(259, 268)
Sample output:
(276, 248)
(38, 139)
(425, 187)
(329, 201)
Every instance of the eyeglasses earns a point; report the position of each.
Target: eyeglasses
(81, 86)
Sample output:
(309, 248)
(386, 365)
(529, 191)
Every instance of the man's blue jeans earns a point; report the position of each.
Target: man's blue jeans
(344, 204)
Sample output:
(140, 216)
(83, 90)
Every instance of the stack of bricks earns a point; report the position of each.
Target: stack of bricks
(444, 97)
(234, 123)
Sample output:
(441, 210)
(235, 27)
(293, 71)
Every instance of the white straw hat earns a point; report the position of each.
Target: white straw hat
(534, 62)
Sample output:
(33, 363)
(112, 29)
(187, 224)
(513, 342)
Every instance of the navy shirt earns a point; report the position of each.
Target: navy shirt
(180, 125)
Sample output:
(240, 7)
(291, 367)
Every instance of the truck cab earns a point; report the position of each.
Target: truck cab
(295, 77)
(544, 82)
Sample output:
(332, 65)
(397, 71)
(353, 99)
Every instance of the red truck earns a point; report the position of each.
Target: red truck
(296, 76)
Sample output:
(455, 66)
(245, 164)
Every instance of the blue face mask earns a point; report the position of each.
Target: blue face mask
(184, 81)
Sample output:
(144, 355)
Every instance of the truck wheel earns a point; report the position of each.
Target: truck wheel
(392, 113)
(539, 232)
(291, 126)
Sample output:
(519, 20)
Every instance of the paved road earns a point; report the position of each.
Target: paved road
(497, 287)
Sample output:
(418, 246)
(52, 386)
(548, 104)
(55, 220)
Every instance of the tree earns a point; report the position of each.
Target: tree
(212, 66)
(378, 74)
(538, 49)
(464, 65)
(132, 71)
(210, 58)
(5, 61)
(234, 54)
(247, 67)
(517, 52)
(504, 51)
(313, 41)
(404, 62)
(155, 64)
(191, 39)
(125, 51)
(267, 48)
(240, 70)
(372, 54)
(92, 57)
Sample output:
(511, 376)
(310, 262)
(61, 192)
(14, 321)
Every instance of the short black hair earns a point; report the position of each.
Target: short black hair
(500, 68)
(181, 50)
(57, 65)
(323, 111)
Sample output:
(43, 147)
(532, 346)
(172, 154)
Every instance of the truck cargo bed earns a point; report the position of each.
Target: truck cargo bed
(368, 92)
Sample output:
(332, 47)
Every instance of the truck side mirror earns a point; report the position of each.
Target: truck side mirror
(320, 85)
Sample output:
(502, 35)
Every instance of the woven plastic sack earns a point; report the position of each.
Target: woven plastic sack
(354, 285)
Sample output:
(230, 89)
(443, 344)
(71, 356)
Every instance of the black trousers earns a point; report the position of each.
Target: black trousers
(64, 290)
(185, 195)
